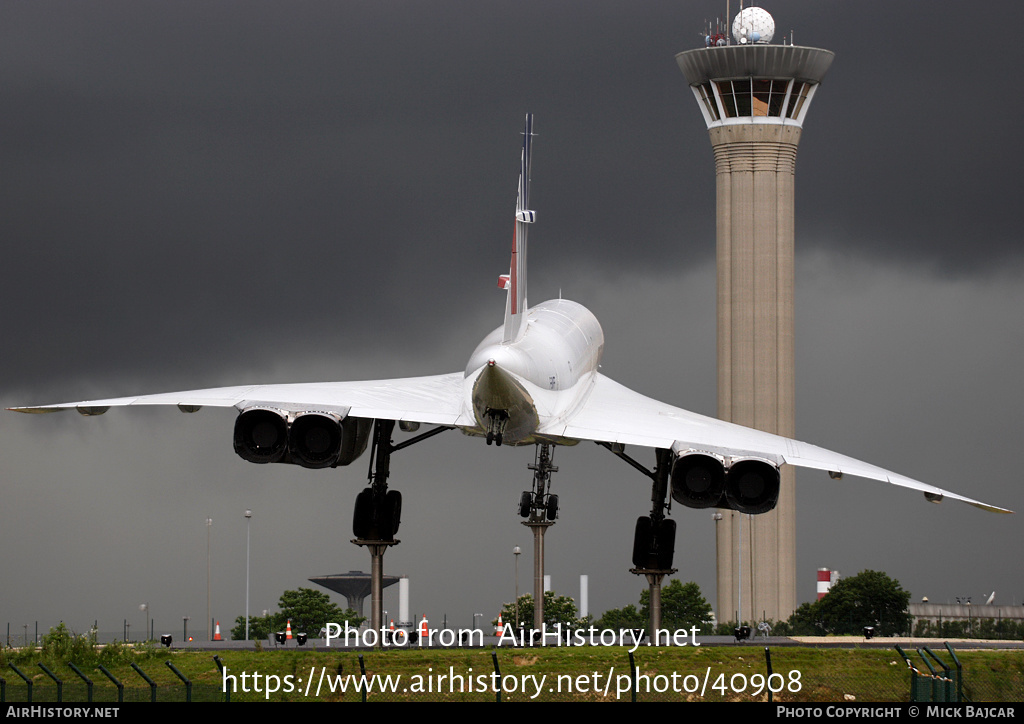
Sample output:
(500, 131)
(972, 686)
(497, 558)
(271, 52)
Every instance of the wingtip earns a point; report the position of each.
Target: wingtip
(992, 508)
(35, 410)
(936, 498)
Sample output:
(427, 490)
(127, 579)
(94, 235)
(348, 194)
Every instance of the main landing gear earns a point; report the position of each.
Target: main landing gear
(654, 538)
(541, 509)
(378, 511)
(538, 504)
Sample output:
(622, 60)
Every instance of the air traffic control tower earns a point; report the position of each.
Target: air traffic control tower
(754, 97)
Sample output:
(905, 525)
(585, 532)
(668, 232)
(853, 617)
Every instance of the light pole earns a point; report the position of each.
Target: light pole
(717, 517)
(516, 551)
(145, 607)
(209, 614)
(966, 601)
(248, 517)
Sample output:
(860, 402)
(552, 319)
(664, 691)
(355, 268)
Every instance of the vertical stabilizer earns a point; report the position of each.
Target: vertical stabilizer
(515, 282)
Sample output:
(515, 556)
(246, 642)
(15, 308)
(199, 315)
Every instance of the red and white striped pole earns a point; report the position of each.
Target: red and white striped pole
(824, 582)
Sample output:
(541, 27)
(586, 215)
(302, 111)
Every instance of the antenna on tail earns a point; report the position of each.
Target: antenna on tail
(515, 306)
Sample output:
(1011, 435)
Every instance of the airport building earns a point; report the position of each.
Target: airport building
(971, 620)
(754, 96)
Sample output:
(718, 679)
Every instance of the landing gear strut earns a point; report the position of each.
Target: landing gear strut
(378, 511)
(538, 504)
(541, 508)
(654, 538)
(496, 421)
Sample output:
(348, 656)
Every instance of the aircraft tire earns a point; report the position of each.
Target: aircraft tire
(552, 509)
(643, 537)
(525, 502)
(391, 515)
(665, 538)
(362, 518)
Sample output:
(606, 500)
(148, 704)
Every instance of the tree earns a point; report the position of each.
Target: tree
(805, 620)
(557, 609)
(682, 606)
(871, 598)
(308, 610)
(620, 618)
(260, 627)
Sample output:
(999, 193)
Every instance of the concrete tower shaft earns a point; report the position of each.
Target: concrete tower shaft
(754, 98)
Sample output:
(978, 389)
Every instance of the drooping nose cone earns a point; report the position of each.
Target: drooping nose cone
(501, 403)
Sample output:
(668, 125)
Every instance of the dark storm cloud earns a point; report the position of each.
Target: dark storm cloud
(239, 150)
(197, 194)
(913, 150)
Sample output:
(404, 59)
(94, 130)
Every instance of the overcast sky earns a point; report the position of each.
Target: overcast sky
(198, 194)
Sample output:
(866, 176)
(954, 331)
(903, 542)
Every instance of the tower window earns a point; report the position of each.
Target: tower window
(762, 96)
(736, 98)
(796, 99)
(707, 97)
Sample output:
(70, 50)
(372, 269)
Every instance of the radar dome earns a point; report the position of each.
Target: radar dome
(753, 25)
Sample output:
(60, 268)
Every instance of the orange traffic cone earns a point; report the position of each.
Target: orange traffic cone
(500, 627)
(288, 630)
(216, 632)
(424, 632)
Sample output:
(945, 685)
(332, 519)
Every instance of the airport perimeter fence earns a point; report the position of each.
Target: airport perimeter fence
(365, 677)
(25, 636)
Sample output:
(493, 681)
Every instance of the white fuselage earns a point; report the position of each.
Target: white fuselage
(542, 377)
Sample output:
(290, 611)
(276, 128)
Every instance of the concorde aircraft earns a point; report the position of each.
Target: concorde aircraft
(533, 381)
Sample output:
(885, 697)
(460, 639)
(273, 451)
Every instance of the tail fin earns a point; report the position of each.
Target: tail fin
(515, 282)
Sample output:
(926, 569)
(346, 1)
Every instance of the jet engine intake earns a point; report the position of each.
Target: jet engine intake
(261, 435)
(698, 480)
(317, 440)
(314, 440)
(752, 486)
(311, 439)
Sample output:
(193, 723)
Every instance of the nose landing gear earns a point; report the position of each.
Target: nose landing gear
(496, 421)
(541, 509)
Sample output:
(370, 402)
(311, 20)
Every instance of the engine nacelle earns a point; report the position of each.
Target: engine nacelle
(261, 435)
(702, 479)
(311, 439)
(317, 440)
(698, 480)
(752, 486)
